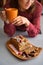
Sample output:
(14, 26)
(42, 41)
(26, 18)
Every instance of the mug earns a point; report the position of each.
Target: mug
(11, 13)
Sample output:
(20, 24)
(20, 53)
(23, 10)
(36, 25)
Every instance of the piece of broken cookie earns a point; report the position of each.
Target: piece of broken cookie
(20, 47)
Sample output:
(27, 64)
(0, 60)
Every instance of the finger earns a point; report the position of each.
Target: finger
(20, 23)
(16, 21)
(17, 18)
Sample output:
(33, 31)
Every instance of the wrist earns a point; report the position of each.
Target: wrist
(27, 24)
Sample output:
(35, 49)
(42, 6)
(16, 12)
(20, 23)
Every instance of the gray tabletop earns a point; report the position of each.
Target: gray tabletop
(6, 58)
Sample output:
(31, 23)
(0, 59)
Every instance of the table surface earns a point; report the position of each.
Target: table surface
(6, 58)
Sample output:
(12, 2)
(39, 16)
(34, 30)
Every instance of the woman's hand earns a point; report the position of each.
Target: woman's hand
(3, 15)
(20, 20)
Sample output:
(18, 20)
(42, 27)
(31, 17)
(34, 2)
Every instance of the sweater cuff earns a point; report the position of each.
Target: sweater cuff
(32, 31)
(28, 27)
